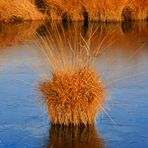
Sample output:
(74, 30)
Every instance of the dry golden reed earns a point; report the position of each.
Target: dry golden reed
(98, 10)
(19, 10)
(74, 10)
(75, 93)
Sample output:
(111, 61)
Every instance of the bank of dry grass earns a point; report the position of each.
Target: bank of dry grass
(75, 10)
(19, 10)
(13, 34)
(98, 10)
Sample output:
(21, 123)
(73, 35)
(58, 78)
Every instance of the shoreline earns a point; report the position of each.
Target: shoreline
(73, 10)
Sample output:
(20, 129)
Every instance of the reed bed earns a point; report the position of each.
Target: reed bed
(74, 10)
(136, 10)
(69, 10)
(75, 93)
(19, 10)
(69, 137)
(98, 10)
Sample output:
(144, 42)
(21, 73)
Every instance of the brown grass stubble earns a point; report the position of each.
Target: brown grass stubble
(75, 93)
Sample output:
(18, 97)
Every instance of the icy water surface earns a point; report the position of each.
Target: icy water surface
(24, 121)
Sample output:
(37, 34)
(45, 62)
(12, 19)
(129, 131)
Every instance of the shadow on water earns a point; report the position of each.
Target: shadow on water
(74, 137)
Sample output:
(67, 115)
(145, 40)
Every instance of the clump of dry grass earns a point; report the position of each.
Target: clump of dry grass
(18, 10)
(75, 93)
(104, 10)
(74, 97)
(68, 137)
(135, 10)
(140, 8)
(65, 9)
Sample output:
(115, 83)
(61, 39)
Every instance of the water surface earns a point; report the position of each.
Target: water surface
(123, 67)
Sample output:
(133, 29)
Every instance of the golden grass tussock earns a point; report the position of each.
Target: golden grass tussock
(74, 97)
(140, 8)
(135, 10)
(68, 137)
(75, 93)
(104, 10)
(61, 9)
(18, 10)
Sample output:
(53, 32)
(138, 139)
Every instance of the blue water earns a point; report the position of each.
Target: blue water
(24, 121)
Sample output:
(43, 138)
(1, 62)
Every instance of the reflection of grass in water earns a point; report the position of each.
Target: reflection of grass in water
(69, 137)
(125, 35)
(75, 93)
(13, 34)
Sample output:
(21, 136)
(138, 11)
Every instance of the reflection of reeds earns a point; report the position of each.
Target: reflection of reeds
(18, 10)
(75, 93)
(69, 137)
(13, 34)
